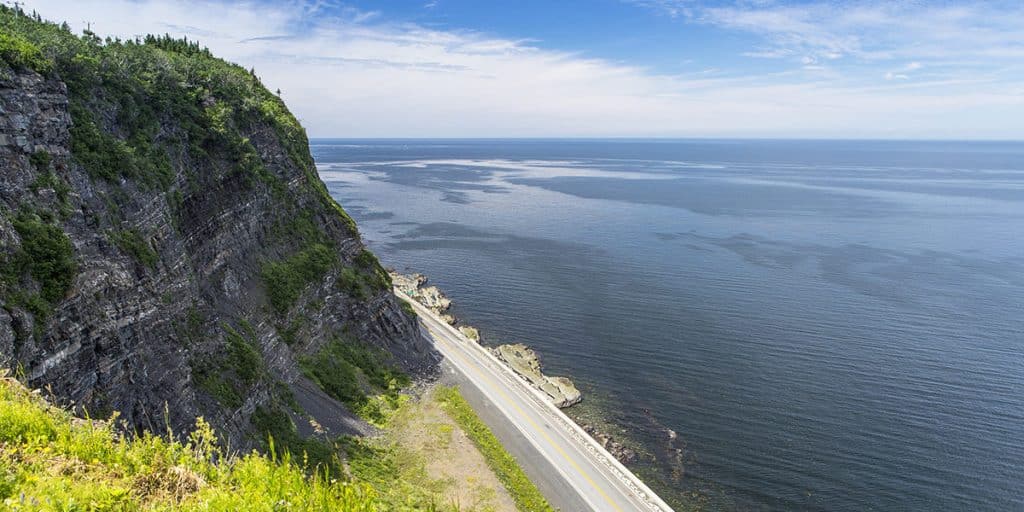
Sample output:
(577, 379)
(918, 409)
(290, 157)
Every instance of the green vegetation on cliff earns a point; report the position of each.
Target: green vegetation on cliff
(145, 83)
(131, 242)
(286, 279)
(164, 114)
(226, 376)
(357, 375)
(45, 257)
(18, 53)
(172, 161)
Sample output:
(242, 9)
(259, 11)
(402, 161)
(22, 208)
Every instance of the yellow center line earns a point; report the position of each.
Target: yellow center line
(508, 400)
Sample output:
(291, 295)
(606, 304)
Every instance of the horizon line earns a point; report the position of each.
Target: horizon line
(681, 138)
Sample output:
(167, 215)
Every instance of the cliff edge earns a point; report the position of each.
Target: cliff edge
(167, 249)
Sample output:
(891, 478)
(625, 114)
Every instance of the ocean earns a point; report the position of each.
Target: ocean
(822, 325)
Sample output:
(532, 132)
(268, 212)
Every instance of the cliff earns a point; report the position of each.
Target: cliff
(166, 247)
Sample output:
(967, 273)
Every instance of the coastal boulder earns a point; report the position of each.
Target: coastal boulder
(524, 361)
(470, 332)
(412, 286)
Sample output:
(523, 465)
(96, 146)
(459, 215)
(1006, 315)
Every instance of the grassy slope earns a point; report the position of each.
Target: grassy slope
(50, 460)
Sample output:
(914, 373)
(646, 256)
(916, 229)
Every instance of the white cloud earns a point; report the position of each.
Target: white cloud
(866, 29)
(346, 72)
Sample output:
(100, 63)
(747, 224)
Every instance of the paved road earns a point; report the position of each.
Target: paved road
(573, 471)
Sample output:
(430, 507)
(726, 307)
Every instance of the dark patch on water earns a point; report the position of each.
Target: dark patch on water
(714, 197)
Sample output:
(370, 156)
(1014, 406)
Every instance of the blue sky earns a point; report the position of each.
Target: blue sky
(632, 68)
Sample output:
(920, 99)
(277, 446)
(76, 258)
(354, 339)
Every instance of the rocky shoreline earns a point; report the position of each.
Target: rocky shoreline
(524, 361)
(414, 286)
(520, 358)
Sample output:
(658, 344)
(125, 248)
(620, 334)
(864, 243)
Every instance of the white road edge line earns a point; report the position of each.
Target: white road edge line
(639, 489)
(525, 432)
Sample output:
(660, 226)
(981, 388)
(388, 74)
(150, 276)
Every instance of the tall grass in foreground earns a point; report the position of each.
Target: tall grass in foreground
(52, 461)
(526, 495)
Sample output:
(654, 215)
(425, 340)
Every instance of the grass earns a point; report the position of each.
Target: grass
(397, 474)
(279, 436)
(51, 461)
(409, 310)
(526, 495)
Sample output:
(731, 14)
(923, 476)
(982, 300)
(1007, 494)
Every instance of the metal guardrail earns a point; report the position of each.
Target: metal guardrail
(644, 494)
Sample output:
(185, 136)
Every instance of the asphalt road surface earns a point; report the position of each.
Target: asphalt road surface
(568, 466)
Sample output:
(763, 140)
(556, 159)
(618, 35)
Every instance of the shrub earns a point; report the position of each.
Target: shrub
(107, 157)
(353, 283)
(244, 359)
(40, 160)
(285, 280)
(132, 243)
(228, 376)
(21, 54)
(47, 254)
(289, 334)
(409, 310)
(281, 438)
(349, 370)
(47, 179)
(365, 278)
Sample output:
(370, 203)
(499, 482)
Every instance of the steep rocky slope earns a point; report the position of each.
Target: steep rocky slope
(166, 247)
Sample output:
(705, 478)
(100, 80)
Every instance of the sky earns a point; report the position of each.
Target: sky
(914, 69)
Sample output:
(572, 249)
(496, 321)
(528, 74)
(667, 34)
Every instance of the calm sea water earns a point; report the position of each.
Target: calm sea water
(825, 325)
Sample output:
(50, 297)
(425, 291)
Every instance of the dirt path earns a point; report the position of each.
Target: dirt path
(450, 457)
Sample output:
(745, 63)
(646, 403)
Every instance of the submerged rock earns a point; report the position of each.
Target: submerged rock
(524, 361)
(621, 452)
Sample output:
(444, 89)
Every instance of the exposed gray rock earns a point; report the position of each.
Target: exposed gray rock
(432, 297)
(470, 332)
(127, 335)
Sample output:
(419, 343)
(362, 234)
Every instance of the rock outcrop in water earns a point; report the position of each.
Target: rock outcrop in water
(470, 332)
(412, 285)
(524, 361)
(165, 241)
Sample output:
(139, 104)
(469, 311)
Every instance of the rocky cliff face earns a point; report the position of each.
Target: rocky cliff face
(166, 248)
